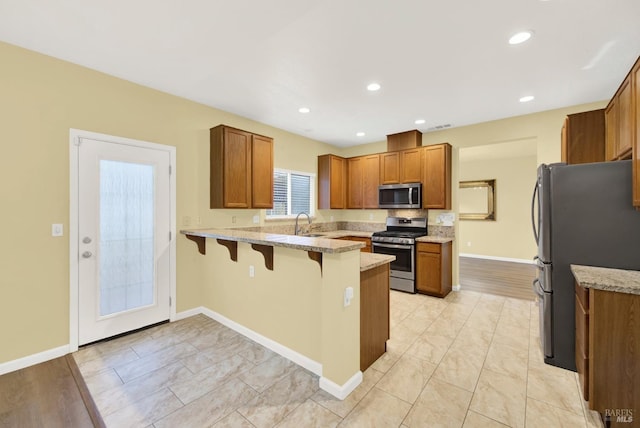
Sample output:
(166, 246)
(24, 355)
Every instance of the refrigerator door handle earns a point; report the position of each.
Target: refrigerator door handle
(533, 218)
(537, 288)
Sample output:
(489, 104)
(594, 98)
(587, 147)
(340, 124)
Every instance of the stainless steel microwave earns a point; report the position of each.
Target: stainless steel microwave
(403, 196)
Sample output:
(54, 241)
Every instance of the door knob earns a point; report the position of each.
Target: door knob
(86, 240)
(86, 254)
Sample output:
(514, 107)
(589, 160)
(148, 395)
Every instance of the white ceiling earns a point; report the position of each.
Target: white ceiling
(506, 150)
(447, 62)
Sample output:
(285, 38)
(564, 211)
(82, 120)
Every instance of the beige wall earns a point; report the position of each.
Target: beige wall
(297, 304)
(42, 98)
(543, 127)
(510, 235)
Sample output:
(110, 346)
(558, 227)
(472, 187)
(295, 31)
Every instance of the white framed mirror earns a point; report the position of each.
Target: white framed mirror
(477, 200)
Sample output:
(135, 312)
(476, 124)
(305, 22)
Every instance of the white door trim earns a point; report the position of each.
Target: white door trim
(74, 139)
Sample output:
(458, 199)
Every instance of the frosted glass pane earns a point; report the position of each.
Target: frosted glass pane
(126, 236)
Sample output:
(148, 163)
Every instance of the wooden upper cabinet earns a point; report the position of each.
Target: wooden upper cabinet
(404, 140)
(611, 130)
(411, 165)
(235, 180)
(401, 167)
(625, 118)
(332, 182)
(353, 182)
(622, 123)
(370, 181)
(261, 172)
(635, 80)
(619, 118)
(390, 168)
(363, 181)
(355, 170)
(230, 183)
(436, 187)
(583, 137)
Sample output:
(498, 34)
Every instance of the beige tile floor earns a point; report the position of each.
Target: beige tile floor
(469, 360)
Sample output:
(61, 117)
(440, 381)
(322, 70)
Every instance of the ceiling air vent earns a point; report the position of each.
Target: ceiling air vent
(439, 127)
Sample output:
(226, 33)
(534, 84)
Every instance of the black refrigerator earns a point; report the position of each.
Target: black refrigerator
(581, 214)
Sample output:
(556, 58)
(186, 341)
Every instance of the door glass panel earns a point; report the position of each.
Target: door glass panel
(126, 236)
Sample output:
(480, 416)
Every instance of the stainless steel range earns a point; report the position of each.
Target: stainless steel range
(399, 240)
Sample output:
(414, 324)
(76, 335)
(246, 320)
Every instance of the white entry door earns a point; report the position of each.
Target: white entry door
(124, 238)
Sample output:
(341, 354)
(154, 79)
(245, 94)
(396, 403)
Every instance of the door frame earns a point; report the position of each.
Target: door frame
(74, 199)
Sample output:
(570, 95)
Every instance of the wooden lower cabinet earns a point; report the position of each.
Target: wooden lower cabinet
(374, 314)
(433, 271)
(367, 242)
(608, 329)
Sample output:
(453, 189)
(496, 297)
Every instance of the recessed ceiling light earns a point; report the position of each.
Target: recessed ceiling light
(520, 37)
(527, 98)
(360, 134)
(304, 110)
(373, 86)
(419, 121)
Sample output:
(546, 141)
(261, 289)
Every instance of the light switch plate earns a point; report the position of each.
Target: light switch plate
(57, 229)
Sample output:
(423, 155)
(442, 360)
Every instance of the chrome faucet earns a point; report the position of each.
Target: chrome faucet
(297, 229)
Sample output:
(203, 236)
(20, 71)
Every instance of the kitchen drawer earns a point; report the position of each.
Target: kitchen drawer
(582, 343)
(583, 295)
(582, 365)
(582, 329)
(429, 247)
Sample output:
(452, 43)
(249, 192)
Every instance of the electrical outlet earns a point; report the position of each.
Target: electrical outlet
(57, 229)
(233, 219)
(256, 219)
(252, 271)
(468, 243)
(348, 295)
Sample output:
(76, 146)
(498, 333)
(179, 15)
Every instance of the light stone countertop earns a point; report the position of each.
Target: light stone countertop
(434, 239)
(322, 244)
(607, 279)
(372, 260)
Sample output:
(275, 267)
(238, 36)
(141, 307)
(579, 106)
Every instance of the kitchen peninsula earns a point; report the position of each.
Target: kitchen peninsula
(291, 294)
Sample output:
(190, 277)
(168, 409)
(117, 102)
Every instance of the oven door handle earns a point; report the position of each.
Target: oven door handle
(398, 246)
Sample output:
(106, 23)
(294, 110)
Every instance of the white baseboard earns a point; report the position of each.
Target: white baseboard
(301, 360)
(501, 259)
(341, 391)
(188, 313)
(30, 360)
(456, 287)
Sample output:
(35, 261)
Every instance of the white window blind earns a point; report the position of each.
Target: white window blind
(292, 193)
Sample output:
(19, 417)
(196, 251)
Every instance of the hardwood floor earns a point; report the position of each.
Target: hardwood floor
(507, 279)
(51, 394)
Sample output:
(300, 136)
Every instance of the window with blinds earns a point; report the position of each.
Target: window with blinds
(292, 193)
